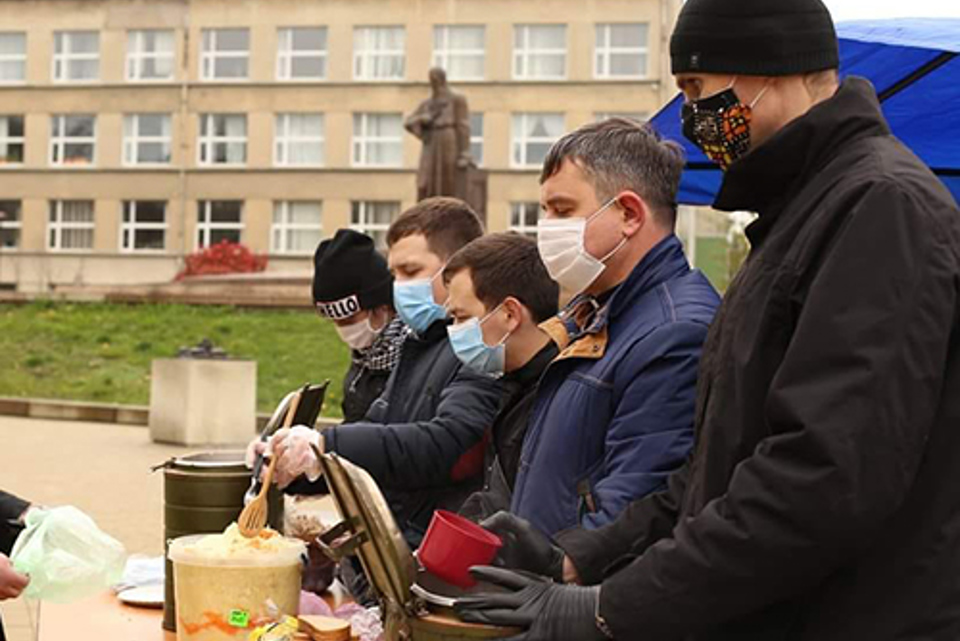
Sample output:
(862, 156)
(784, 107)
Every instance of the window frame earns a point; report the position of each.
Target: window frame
(15, 57)
(55, 228)
(205, 224)
(523, 140)
(605, 52)
(526, 53)
(136, 56)
(14, 140)
(279, 229)
(62, 59)
(133, 142)
(441, 57)
(16, 225)
(377, 231)
(282, 140)
(361, 143)
(207, 142)
(360, 73)
(478, 139)
(285, 59)
(60, 141)
(133, 226)
(212, 55)
(522, 227)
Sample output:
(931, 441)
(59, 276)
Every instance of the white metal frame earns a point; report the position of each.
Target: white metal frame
(129, 229)
(363, 140)
(132, 140)
(361, 218)
(137, 56)
(443, 55)
(286, 54)
(15, 57)
(520, 140)
(364, 54)
(205, 224)
(14, 140)
(61, 59)
(523, 55)
(477, 138)
(57, 226)
(518, 223)
(283, 139)
(209, 54)
(281, 225)
(210, 140)
(59, 142)
(604, 52)
(17, 224)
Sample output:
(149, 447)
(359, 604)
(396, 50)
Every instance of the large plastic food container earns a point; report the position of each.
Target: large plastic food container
(222, 596)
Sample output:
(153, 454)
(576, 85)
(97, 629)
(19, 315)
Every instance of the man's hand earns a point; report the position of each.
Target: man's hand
(293, 448)
(547, 611)
(525, 547)
(12, 583)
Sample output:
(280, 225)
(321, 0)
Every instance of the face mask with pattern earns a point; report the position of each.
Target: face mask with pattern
(720, 125)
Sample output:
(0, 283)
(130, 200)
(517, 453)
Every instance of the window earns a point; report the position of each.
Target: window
(377, 140)
(9, 224)
(302, 53)
(13, 56)
(299, 140)
(218, 221)
(226, 54)
(524, 217)
(533, 135)
(636, 116)
(621, 51)
(476, 137)
(76, 56)
(460, 51)
(297, 227)
(373, 218)
(150, 55)
(146, 139)
(223, 139)
(11, 140)
(144, 226)
(73, 139)
(378, 53)
(540, 52)
(71, 225)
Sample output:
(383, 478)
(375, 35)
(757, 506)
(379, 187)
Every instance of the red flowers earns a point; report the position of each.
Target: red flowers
(223, 258)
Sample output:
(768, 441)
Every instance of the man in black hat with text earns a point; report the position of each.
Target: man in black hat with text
(821, 500)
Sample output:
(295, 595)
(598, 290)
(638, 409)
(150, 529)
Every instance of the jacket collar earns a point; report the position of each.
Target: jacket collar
(768, 177)
(434, 334)
(530, 373)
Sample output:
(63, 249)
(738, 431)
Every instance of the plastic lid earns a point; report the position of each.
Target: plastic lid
(232, 549)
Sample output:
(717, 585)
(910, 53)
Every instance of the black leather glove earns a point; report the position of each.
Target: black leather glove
(545, 610)
(525, 547)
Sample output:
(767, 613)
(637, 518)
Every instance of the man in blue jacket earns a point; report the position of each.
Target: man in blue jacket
(614, 413)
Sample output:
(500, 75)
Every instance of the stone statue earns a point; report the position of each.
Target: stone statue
(442, 123)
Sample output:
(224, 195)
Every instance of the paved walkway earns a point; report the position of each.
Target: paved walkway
(102, 469)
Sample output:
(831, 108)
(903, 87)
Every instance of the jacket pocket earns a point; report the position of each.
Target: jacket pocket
(588, 502)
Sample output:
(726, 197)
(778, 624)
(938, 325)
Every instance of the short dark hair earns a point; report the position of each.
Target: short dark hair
(447, 223)
(507, 264)
(619, 154)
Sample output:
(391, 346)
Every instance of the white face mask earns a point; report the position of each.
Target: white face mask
(359, 335)
(562, 249)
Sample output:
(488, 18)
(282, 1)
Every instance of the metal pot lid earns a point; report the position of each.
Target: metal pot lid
(368, 530)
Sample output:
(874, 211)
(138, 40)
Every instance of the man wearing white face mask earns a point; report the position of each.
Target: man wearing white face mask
(352, 287)
(614, 413)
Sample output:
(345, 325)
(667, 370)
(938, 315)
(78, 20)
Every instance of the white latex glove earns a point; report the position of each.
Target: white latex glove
(292, 447)
(12, 583)
(256, 447)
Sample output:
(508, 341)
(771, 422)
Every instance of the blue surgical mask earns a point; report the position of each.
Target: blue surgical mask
(413, 300)
(466, 339)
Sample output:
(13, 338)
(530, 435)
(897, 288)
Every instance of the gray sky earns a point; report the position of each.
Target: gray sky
(860, 9)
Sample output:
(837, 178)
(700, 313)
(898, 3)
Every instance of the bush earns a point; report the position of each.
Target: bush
(223, 258)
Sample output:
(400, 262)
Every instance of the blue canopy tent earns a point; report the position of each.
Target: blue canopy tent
(914, 65)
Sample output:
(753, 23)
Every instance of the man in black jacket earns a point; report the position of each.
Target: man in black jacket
(13, 511)
(422, 439)
(821, 500)
(500, 292)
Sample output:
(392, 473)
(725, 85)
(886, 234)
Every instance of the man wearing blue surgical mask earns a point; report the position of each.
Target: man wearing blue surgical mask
(422, 439)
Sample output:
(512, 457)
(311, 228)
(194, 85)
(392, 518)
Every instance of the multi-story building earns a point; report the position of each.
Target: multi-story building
(133, 132)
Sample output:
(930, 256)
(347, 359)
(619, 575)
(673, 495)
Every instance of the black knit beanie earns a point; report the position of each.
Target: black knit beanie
(754, 37)
(350, 275)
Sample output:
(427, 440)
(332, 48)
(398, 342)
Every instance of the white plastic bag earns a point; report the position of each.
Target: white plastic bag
(66, 555)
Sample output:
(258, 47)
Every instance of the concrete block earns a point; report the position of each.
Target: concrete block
(203, 401)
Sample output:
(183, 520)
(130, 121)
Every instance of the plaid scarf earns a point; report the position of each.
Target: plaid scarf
(383, 355)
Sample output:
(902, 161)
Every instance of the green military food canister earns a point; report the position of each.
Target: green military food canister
(203, 494)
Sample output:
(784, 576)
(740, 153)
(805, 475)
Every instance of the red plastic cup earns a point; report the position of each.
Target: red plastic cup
(453, 545)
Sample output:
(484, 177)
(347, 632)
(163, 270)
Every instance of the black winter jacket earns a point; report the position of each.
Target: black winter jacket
(11, 509)
(822, 500)
(361, 387)
(419, 436)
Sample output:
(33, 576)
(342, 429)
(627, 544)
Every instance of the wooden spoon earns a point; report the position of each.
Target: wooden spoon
(254, 516)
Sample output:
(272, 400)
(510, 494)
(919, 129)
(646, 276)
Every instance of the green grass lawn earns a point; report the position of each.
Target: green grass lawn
(102, 352)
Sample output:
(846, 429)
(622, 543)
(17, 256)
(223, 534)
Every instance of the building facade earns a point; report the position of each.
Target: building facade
(133, 132)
